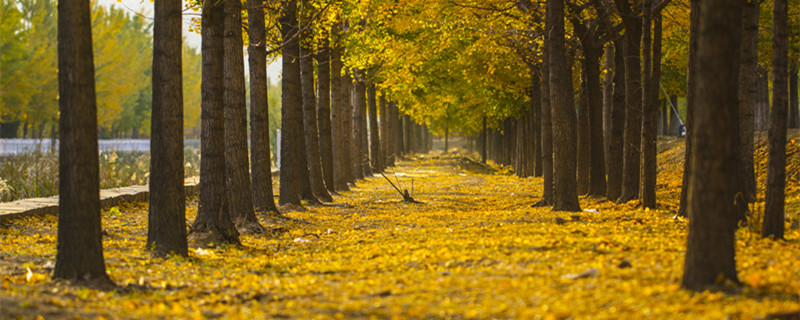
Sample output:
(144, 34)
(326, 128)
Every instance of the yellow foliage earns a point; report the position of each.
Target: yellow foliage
(473, 249)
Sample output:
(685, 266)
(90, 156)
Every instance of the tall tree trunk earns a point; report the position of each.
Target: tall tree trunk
(608, 97)
(260, 164)
(385, 128)
(794, 113)
(338, 145)
(762, 99)
(310, 126)
(484, 142)
(213, 223)
(79, 256)
(293, 169)
(633, 108)
(536, 121)
(713, 184)
(747, 97)
(360, 154)
(564, 122)
(166, 220)
(237, 165)
(691, 97)
(547, 131)
(324, 113)
(374, 136)
(398, 131)
(597, 168)
(616, 136)
(674, 118)
(347, 121)
(776, 163)
(649, 139)
(584, 134)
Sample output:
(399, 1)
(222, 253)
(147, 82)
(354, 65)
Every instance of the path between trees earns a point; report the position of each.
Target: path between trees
(474, 248)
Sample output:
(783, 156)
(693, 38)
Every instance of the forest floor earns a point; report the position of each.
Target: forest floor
(474, 248)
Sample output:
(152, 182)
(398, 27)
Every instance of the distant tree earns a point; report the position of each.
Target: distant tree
(774, 205)
(713, 185)
(166, 232)
(547, 130)
(374, 136)
(338, 145)
(564, 122)
(213, 223)
(79, 255)
(260, 164)
(324, 113)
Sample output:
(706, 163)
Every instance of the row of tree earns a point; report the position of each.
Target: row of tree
(28, 71)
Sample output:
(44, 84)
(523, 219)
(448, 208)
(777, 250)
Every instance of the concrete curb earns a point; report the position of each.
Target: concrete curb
(108, 198)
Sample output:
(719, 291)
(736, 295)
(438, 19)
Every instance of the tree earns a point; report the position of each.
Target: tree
(617, 126)
(776, 163)
(633, 97)
(747, 96)
(79, 256)
(374, 136)
(561, 100)
(691, 101)
(311, 128)
(213, 223)
(293, 170)
(338, 146)
(713, 182)
(260, 164)
(547, 130)
(166, 232)
(324, 114)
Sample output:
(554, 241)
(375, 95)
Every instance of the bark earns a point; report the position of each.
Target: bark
(237, 164)
(694, 17)
(260, 164)
(774, 205)
(674, 117)
(747, 97)
(762, 99)
(311, 128)
(79, 256)
(710, 248)
(584, 145)
(385, 130)
(608, 96)
(360, 153)
(794, 113)
(213, 223)
(397, 131)
(374, 136)
(652, 62)
(633, 101)
(293, 168)
(324, 114)
(594, 96)
(616, 136)
(536, 121)
(547, 132)
(166, 219)
(564, 122)
(338, 147)
(347, 127)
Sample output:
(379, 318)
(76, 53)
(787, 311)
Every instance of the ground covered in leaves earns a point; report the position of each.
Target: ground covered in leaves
(474, 248)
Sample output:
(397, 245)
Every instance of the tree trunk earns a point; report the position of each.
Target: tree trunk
(293, 169)
(260, 164)
(536, 121)
(166, 219)
(649, 138)
(597, 168)
(762, 99)
(633, 108)
(484, 142)
(397, 131)
(584, 134)
(547, 131)
(324, 113)
(616, 136)
(374, 136)
(747, 97)
(338, 145)
(794, 113)
(608, 97)
(385, 128)
(564, 122)
(79, 256)
(713, 184)
(310, 126)
(347, 126)
(691, 96)
(240, 192)
(776, 163)
(360, 153)
(213, 223)
(674, 117)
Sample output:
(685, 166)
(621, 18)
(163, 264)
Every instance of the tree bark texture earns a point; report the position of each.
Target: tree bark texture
(794, 112)
(260, 164)
(775, 195)
(536, 120)
(652, 66)
(633, 100)
(293, 168)
(79, 256)
(710, 248)
(347, 126)
(374, 136)
(564, 122)
(324, 114)
(166, 219)
(237, 164)
(338, 148)
(547, 132)
(583, 134)
(616, 136)
(597, 168)
(360, 153)
(213, 222)
(747, 97)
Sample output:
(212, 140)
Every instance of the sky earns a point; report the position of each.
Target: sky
(145, 7)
